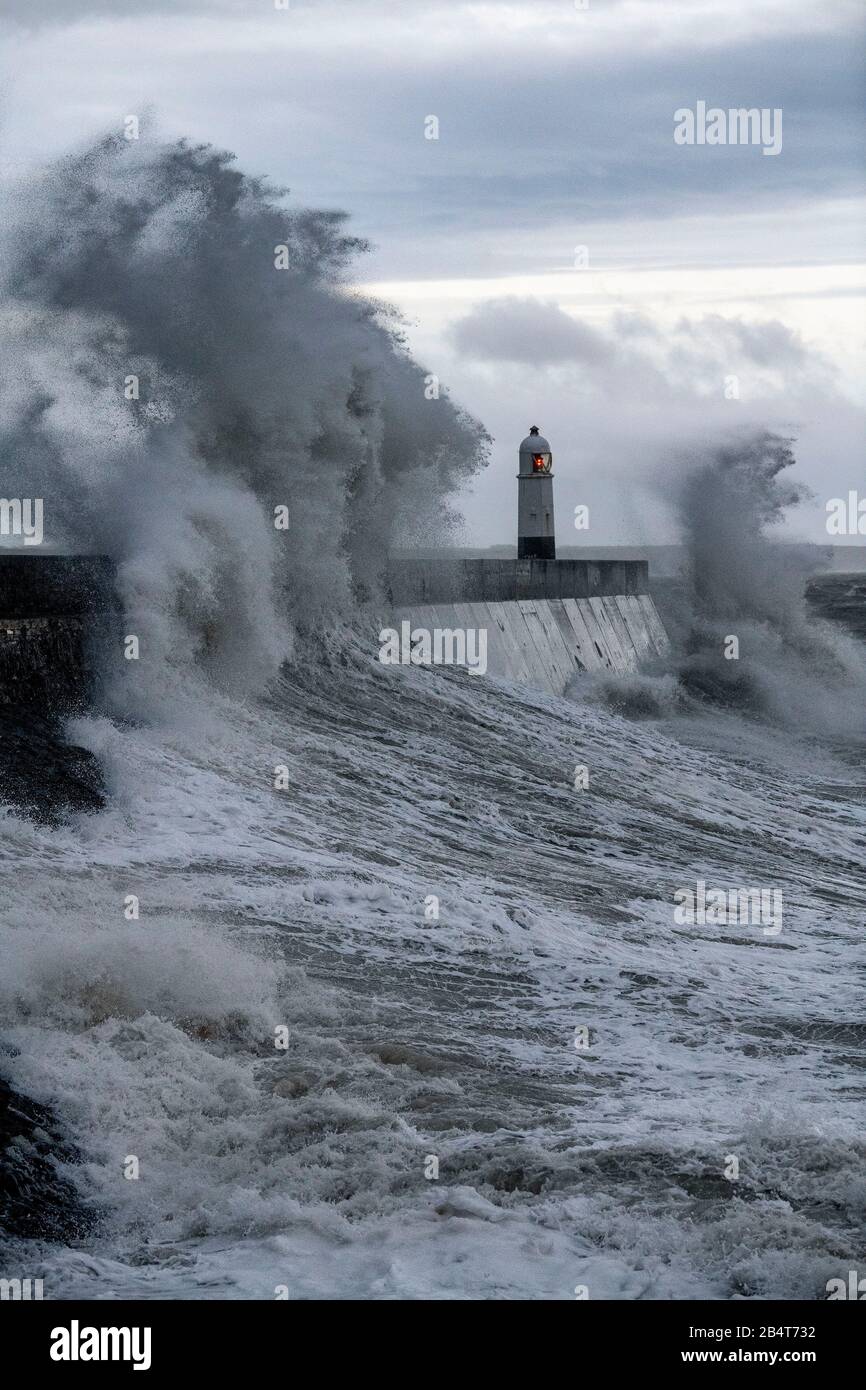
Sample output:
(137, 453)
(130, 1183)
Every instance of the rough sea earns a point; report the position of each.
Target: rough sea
(420, 1021)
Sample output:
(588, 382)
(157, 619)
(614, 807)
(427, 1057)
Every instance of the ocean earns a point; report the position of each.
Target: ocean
(580, 1067)
(352, 988)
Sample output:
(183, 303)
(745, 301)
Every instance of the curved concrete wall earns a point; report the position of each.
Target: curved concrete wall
(545, 643)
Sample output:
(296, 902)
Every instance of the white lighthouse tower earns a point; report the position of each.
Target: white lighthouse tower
(536, 538)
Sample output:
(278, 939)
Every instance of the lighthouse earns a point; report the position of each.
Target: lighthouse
(536, 538)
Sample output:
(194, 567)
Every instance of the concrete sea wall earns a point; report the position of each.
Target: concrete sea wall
(503, 581)
(545, 643)
(546, 621)
(53, 608)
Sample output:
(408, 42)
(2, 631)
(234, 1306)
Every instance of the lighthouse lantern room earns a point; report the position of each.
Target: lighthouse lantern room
(536, 539)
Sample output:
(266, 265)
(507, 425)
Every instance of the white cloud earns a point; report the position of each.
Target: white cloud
(623, 404)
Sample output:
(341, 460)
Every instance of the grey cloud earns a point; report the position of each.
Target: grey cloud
(592, 141)
(37, 13)
(634, 353)
(527, 330)
(631, 324)
(620, 416)
(767, 344)
(770, 344)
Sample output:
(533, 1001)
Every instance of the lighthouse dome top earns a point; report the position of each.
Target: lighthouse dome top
(534, 443)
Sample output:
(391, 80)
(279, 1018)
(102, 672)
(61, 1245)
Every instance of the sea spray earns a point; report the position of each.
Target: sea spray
(750, 642)
(188, 380)
(743, 637)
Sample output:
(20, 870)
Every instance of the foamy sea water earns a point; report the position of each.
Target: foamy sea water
(411, 1038)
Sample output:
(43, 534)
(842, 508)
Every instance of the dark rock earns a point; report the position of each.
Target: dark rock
(40, 773)
(37, 1201)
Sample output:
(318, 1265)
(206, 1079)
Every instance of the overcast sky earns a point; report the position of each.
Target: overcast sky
(555, 132)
